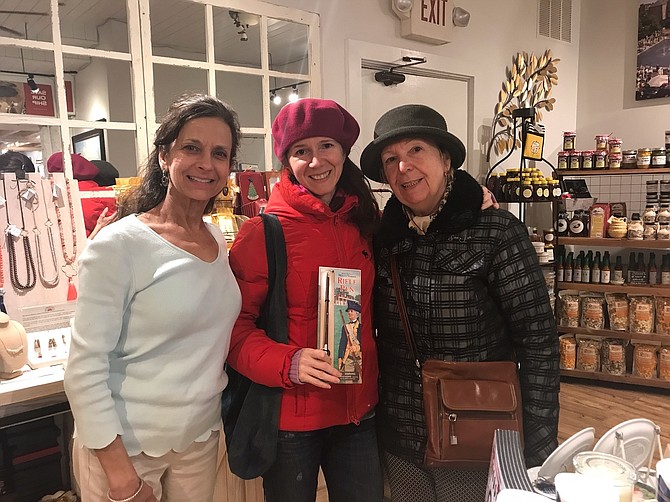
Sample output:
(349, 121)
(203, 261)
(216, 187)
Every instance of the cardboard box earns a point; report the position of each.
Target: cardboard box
(598, 216)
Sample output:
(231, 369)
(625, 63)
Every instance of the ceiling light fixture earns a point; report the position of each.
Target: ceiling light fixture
(276, 98)
(242, 21)
(293, 97)
(34, 88)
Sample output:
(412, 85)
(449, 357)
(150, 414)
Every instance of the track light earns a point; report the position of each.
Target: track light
(293, 97)
(276, 98)
(32, 84)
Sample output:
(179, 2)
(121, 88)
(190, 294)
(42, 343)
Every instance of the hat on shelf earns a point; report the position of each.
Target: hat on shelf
(107, 173)
(82, 169)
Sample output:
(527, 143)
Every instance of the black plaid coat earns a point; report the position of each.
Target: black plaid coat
(474, 292)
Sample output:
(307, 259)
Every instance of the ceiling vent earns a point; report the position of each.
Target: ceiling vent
(555, 19)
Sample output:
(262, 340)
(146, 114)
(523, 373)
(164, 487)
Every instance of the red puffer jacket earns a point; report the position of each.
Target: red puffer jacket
(315, 236)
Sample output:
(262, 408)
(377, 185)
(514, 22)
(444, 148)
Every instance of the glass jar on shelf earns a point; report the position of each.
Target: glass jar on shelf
(635, 227)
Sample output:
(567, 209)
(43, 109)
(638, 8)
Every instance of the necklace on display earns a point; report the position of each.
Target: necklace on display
(69, 268)
(11, 232)
(34, 203)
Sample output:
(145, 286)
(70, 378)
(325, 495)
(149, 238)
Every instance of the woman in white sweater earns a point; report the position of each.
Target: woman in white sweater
(151, 332)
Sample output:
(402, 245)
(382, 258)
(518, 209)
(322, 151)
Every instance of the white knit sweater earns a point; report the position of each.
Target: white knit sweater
(149, 339)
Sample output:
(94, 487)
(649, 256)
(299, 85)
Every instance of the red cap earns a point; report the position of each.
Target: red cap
(82, 169)
(309, 118)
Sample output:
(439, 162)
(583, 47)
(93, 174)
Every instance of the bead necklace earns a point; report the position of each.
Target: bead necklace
(69, 269)
(34, 203)
(11, 230)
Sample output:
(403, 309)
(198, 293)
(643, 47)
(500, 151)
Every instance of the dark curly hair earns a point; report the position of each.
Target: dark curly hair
(150, 192)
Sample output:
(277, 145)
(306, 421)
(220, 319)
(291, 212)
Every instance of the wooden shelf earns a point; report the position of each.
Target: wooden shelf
(648, 289)
(610, 333)
(615, 243)
(625, 379)
(612, 172)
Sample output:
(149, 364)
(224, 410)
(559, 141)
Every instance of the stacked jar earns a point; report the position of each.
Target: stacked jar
(569, 157)
(614, 155)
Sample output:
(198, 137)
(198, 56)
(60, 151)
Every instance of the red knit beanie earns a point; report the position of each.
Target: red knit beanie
(82, 169)
(309, 118)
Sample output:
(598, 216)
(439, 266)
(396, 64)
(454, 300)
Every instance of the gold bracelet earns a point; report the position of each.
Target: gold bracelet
(128, 499)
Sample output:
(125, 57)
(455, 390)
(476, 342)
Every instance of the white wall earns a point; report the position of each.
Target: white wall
(607, 63)
(497, 31)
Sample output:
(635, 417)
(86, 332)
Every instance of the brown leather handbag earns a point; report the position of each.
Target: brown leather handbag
(464, 402)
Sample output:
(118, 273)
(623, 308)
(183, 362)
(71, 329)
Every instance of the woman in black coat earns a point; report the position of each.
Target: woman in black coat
(473, 289)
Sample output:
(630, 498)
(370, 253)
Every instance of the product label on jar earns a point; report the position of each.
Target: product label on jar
(593, 311)
(562, 225)
(605, 276)
(568, 142)
(574, 162)
(572, 310)
(527, 193)
(643, 160)
(587, 162)
(562, 162)
(620, 308)
(556, 192)
(576, 226)
(600, 162)
(658, 160)
(665, 277)
(539, 192)
(589, 356)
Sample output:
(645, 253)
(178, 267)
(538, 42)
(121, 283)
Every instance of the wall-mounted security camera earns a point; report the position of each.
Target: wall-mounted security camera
(389, 77)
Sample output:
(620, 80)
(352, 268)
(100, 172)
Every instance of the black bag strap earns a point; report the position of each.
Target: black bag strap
(404, 318)
(273, 313)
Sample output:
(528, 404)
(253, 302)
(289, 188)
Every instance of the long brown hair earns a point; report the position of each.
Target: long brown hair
(151, 192)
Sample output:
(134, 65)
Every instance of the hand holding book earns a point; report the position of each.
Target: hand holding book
(314, 367)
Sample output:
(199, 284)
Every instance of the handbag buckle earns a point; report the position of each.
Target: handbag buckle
(453, 439)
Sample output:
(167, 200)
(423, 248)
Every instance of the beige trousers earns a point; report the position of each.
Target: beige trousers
(174, 477)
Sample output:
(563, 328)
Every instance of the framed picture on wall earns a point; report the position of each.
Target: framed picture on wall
(653, 51)
(90, 144)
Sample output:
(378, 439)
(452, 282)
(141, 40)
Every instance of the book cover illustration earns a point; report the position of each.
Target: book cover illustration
(340, 320)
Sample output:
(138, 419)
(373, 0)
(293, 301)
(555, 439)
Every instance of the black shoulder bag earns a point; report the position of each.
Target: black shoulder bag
(250, 410)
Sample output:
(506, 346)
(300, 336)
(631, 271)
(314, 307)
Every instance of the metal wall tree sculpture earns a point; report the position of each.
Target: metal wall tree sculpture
(528, 84)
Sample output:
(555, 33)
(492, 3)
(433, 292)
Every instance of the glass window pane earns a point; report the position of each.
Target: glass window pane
(35, 142)
(252, 153)
(102, 88)
(288, 46)
(28, 85)
(178, 29)
(116, 147)
(243, 92)
(283, 90)
(171, 82)
(237, 38)
(26, 20)
(103, 27)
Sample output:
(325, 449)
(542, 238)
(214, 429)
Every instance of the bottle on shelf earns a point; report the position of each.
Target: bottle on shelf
(652, 271)
(577, 271)
(617, 274)
(569, 268)
(631, 267)
(605, 272)
(665, 270)
(595, 269)
(560, 268)
(641, 267)
(586, 268)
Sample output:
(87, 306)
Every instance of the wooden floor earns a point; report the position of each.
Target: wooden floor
(585, 404)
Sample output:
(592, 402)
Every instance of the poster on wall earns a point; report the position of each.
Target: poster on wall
(16, 97)
(653, 50)
(11, 97)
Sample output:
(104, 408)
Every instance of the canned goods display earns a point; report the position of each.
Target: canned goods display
(643, 158)
(575, 160)
(602, 141)
(569, 140)
(658, 157)
(600, 159)
(587, 159)
(629, 159)
(614, 145)
(614, 160)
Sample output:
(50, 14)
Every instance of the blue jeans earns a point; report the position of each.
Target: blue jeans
(347, 454)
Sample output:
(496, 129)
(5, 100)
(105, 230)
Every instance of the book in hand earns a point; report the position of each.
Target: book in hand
(340, 320)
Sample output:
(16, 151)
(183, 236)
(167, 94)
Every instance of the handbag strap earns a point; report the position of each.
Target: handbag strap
(274, 312)
(400, 300)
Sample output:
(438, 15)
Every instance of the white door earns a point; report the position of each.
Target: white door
(448, 96)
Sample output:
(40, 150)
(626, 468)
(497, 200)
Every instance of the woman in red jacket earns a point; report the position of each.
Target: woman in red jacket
(328, 215)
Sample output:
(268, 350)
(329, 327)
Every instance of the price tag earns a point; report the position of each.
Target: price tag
(13, 230)
(57, 194)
